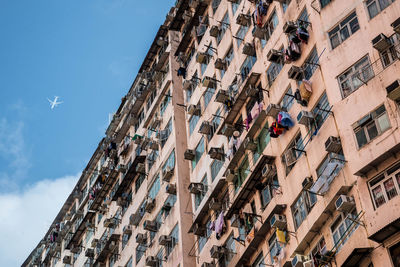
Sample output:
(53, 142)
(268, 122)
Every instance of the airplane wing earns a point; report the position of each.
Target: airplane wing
(57, 103)
(51, 102)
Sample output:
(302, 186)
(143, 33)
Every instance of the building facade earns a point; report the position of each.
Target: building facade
(256, 133)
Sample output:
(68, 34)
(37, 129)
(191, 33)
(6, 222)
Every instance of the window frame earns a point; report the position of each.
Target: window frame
(344, 26)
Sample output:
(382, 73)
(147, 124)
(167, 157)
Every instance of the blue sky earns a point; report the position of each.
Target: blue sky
(86, 52)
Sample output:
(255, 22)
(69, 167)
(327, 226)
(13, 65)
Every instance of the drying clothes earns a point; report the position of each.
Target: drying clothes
(257, 18)
(285, 120)
(302, 34)
(228, 104)
(255, 111)
(295, 39)
(182, 72)
(305, 90)
(219, 224)
(280, 235)
(276, 130)
(299, 99)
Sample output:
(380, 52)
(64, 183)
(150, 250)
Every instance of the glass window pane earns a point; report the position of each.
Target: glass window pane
(361, 138)
(372, 130)
(383, 122)
(344, 33)
(378, 196)
(373, 10)
(390, 189)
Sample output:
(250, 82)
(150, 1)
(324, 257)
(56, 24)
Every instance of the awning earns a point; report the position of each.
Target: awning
(356, 256)
(386, 232)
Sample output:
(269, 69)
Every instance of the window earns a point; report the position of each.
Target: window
(229, 57)
(165, 103)
(203, 66)
(215, 5)
(171, 200)
(198, 153)
(192, 123)
(140, 250)
(230, 245)
(246, 67)
(216, 166)
(155, 187)
(273, 71)
(274, 247)
(208, 94)
(304, 15)
(321, 111)
(355, 76)
(269, 191)
(160, 258)
(164, 134)
(310, 64)
(285, 5)
(391, 54)
(235, 6)
(151, 99)
(170, 162)
(270, 25)
(139, 182)
(151, 158)
(202, 240)
(175, 239)
(259, 262)
(125, 239)
(385, 186)
(223, 28)
(319, 249)
(343, 227)
(302, 207)
(263, 138)
(376, 6)
(343, 30)
(129, 263)
(292, 153)
(199, 196)
(324, 3)
(244, 171)
(371, 126)
(240, 34)
(287, 101)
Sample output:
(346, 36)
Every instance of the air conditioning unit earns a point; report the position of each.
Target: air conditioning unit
(268, 171)
(215, 204)
(214, 31)
(199, 229)
(150, 204)
(127, 229)
(194, 110)
(278, 221)
(307, 183)
(171, 189)
(333, 144)
(259, 32)
(67, 259)
(121, 201)
(94, 242)
(274, 55)
(222, 96)
(393, 90)
(228, 130)
(345, 203)
(89, 253)
(298, 260)
(207, 264)
(295, 73)
(141, 239)
(248, 49)
(252, 91)
(202, 57)
(140, 168)
(273, 110)
(230, 175)
(209, 82)
(154, 145)
(168, 173)
(220, 64)
(381, 42)
(243, 19)
(396, 25)
(216, 153)
(135, 218)
(109, 223)
(205, 127)
(289, 26)
(187, 84)
(150, 226)
(305, 117)
(122, 168)
(189, 154)
(196, 188)
(164, 240)
(218, 251)
(151, 261)
(249, 144)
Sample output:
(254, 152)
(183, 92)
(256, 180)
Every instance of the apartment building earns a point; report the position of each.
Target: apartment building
(256, 133)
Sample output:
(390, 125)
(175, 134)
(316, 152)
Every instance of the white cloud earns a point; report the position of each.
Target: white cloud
(26, 216)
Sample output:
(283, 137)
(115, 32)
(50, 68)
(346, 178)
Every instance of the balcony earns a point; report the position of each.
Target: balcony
(130, 175)
(107, 244)
(129, 120)
(320, 213)
(213, 191)
(162, 54)
(79, 228)
(103, 190)
(247, 189)
(239, 100)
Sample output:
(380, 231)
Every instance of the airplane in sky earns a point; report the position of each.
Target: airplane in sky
(54, 103)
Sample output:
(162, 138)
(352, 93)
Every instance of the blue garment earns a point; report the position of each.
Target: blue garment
(285, 120)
